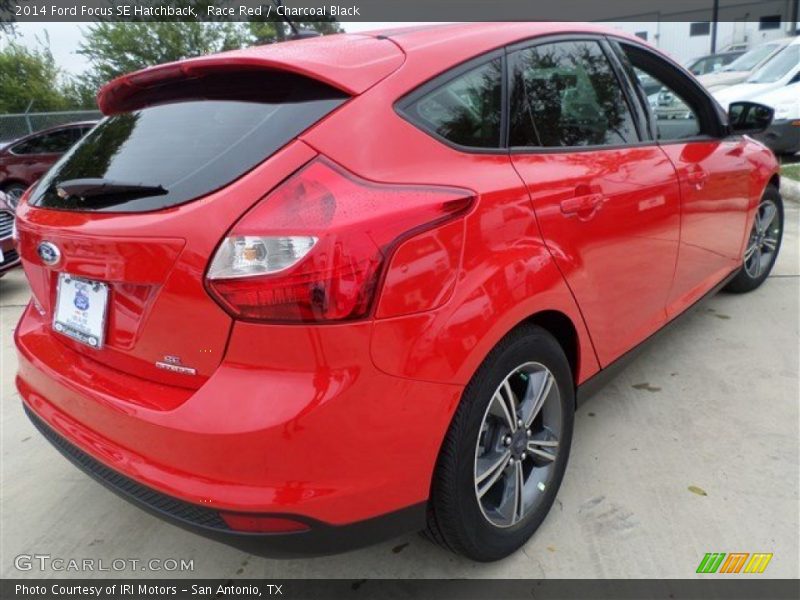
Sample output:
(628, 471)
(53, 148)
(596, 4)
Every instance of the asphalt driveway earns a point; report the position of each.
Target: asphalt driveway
(692, 449)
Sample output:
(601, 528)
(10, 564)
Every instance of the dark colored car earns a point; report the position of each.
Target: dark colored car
(25, 160)
(8, 251)
(325, 291)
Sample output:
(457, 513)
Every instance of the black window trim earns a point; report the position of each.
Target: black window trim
(633, 84)
(573, 37)
(713, 113)
(401, 106)
(612, 47)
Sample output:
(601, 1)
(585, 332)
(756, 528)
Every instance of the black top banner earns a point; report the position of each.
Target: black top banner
(401, 10)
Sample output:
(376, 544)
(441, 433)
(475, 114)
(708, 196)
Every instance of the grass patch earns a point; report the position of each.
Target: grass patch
(791, 171)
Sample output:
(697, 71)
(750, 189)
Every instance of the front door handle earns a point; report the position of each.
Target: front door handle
(586, 205)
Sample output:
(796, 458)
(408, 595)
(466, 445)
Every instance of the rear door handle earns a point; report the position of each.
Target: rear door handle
(586, 204)
(697, 177)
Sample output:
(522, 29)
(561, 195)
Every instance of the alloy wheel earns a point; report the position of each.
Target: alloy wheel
(763, 242)
(518, 444)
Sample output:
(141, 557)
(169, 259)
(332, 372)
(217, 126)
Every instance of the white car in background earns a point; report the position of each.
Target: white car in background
(744, 66)
(783, 136)
(782, 70)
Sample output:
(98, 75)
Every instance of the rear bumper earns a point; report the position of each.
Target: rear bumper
(320, 538)
(332, 446)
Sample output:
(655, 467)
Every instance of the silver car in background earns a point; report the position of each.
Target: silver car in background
(744, 66)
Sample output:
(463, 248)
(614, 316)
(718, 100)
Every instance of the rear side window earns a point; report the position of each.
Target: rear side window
(188, 148)
(466, 110)
(566, 94)
(49, 143)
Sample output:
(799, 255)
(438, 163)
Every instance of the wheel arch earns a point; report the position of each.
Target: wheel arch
(775, 180)
(561, 327)
(12, 181)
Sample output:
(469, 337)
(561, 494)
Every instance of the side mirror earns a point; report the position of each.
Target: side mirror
(749, 117)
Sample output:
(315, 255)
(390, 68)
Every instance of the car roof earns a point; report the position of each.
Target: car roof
(351, 63)
(483, 37)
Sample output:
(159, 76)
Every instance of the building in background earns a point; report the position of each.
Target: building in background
(739, 24)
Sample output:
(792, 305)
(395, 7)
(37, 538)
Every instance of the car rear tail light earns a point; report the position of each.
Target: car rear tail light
(261, 523)
(314, 249)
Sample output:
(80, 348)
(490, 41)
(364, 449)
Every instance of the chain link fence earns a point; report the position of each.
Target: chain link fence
(13, 126)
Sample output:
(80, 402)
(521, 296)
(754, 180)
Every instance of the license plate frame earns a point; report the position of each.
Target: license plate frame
(77, 314)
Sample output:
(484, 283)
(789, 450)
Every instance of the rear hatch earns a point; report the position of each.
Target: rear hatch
(117, 236)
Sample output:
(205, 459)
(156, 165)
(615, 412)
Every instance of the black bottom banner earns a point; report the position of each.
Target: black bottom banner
(455, 589)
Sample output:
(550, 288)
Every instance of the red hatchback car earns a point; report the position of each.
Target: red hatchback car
(330, 290)
(25, 160)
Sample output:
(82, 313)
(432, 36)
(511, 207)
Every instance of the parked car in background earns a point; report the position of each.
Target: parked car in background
(266, 335)
(711, 63)
(783, 135)
(744, 66)
(9, 258)
(25, 160)
(781, 70)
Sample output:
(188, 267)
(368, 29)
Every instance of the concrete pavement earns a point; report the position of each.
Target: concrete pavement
(713, 406)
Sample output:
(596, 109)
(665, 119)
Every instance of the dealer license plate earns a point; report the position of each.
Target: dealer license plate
(81, 309)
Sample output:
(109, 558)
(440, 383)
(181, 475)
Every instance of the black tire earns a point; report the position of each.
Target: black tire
(749, 278)
(456, 521)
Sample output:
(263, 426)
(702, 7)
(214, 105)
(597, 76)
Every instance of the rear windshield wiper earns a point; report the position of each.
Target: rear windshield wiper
(89, 187)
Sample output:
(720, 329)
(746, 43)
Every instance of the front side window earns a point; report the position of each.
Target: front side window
(675, 119)
(676, 116)
(465, 110)
(566, 94)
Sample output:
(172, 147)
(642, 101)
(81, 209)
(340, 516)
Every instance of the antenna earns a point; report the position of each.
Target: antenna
(297, 34)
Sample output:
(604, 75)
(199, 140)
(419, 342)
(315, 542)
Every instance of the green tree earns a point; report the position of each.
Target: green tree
(117, 48)
(7, 17)
(80, 92)
(278, 30)
(29, 78)
(114, 49)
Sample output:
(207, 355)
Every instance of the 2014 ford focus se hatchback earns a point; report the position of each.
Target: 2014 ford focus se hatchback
(334, 289)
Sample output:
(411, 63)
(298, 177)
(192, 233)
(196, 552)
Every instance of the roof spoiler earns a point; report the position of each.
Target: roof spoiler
(348, 63)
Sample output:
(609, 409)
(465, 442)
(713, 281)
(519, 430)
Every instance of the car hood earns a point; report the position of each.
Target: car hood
(741, 92)
(723, 78)
(787, 97)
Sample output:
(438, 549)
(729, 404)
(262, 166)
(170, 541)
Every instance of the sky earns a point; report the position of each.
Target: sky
(65, 37)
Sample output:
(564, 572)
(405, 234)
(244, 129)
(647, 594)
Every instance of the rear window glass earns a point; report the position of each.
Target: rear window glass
(188, 148)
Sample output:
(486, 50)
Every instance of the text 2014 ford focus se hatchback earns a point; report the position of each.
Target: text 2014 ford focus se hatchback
(334, 289)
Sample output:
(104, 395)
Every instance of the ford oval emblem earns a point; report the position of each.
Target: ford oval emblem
(49, 253)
